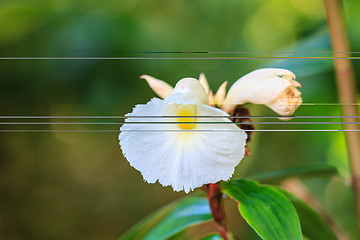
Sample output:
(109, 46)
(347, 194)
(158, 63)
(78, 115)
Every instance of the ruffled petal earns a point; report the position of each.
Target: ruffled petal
(182, 159)
(210, 155)
(141, 143)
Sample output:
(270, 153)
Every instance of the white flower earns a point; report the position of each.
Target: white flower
(273, 87)
(182, 154)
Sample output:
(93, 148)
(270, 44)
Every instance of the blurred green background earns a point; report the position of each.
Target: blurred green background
(78, 185)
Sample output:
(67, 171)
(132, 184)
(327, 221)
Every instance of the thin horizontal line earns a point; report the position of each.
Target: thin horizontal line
(257, 130)
(321, 104)
(158, 123)
(122, 117)
(240, 52)
(163, 58)
(288, 52)
(302, 104)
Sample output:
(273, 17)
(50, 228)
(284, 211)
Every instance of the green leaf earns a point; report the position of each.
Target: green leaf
(265, 209)
(308, 47)
(171, 219)
(313, 225)
(313, 170)
(213, 236)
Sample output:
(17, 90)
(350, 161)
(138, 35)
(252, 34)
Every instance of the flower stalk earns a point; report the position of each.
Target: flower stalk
(215, 198)
(346, 90)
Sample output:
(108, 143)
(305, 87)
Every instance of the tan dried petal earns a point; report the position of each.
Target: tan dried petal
(287, 102)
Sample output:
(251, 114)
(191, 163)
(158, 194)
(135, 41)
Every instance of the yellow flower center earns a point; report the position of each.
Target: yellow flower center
(186, 110)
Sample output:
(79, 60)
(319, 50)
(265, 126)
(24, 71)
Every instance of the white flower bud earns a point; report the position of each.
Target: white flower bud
(273, 87)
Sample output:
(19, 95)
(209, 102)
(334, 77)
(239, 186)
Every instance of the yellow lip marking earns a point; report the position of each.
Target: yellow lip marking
(186, 110)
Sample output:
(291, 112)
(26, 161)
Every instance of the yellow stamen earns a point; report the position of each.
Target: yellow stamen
(186, 110)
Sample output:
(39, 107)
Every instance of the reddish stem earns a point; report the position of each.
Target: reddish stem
(215, 198)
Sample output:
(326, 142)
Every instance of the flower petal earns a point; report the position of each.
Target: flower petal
(204, 82)
(287, 102)
(188, 91)
(161, 88)
(183, 159)
(209, 156)
(220, 94)
(211, 98)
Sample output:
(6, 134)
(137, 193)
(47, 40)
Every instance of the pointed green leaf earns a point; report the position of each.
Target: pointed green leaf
(265, 209)
(171, 219)
(313, 225)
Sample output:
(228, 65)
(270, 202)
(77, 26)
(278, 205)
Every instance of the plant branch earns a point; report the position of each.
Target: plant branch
(215, 198)
(346, 90)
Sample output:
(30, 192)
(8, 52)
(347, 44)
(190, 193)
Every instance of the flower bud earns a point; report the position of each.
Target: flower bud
(273, 87)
